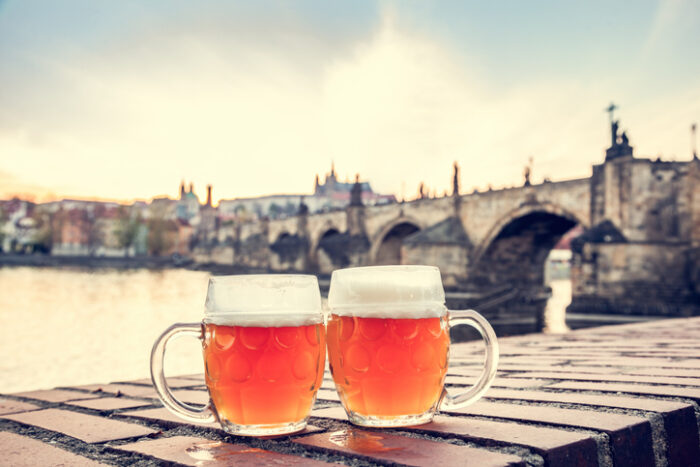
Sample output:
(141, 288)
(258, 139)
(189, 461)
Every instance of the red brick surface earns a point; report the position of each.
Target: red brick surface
(406, 451)
(108, 403)
(173, 383)
(690, 393)
(499, 382)
(617, 378)
(21, 451)
(617, 395)
(122, 389)
(630, 436)
(558, 447)
(55, 395)
(88, 428)
(161, 414)
(8, 406)
(193, 451)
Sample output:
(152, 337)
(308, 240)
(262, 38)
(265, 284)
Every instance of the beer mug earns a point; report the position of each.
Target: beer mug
(263, 341)
(388, 345)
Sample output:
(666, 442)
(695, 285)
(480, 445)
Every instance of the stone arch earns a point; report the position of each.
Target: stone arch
(289, 248)
(386, 244)
(515, 249)
(281, 236)
(319, 232)
(322, 261)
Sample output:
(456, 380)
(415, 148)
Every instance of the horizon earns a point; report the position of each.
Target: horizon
(119, 102)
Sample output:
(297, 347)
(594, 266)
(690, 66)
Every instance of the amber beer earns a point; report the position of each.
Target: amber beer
(388, 367)
(264, 348)
(388, 345)
(263, 375)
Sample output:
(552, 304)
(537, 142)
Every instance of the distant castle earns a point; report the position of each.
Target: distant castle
(329, 195)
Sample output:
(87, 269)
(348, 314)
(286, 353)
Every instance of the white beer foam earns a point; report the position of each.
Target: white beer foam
(263, 320)
(387, 292)
(266, 300)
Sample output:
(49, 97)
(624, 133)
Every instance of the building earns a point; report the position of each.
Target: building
(333, 194)
(327, 196)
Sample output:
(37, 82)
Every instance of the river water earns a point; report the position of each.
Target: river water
(65, 327)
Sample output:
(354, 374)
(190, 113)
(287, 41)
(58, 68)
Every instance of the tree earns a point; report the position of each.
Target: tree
(127, 229)
(274, 211)
(159, 241)
(42, 240)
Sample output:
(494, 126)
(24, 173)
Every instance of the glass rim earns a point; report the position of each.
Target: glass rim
(389, 267)
(256, 277)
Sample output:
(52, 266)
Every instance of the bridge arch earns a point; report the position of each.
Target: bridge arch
(516, 247)
(320, 258)
(386, 245)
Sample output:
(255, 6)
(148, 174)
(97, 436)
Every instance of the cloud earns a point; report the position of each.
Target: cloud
(260, 108)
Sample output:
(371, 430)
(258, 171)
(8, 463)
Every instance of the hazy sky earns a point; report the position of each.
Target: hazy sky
(124, 99)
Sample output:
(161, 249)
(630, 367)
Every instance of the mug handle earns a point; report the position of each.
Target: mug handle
(179, 408)
(478, 322)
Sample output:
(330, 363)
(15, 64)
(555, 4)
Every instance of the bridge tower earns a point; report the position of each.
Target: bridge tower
(640, 254)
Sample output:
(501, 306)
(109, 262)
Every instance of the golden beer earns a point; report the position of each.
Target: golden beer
(263, 375)
(388, 345)
(264, 348)
(388, 367)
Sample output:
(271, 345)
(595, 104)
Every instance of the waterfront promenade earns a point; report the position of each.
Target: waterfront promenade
(611, 396)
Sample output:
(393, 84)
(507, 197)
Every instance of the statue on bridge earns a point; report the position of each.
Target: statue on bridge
(455, 180)
(527, 172)
(619, 144)
(356, 192)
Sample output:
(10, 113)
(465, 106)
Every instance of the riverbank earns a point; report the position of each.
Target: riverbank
(119, 262)
(90, 262)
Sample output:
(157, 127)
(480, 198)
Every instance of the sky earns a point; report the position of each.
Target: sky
(123, 100)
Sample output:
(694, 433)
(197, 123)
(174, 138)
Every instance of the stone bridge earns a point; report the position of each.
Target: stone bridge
(638, 254)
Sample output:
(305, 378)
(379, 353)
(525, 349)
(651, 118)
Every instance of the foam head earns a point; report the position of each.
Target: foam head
(268, 300)
(387, 292)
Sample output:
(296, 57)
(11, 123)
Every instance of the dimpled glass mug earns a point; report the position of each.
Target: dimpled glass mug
(388, 345)
(263, 340)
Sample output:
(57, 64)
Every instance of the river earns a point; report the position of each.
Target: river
(64, 326)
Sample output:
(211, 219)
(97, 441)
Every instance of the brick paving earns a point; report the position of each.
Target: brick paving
(610, 396)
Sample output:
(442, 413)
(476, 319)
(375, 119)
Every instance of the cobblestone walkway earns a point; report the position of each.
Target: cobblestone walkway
(613, 396)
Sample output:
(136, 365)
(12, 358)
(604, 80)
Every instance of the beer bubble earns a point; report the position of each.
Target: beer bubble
(213, 367)
(238, 367)
(224, 337)
(254, 338)
(303, 365)
(372, 328)
(286, 337)
(406, 329)
(423, 357)
(272, 366)
(357, 358)
(389, 359)
(312, 335)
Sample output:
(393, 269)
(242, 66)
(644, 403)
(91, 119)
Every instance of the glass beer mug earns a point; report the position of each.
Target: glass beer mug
(263, 341)
(388, 345)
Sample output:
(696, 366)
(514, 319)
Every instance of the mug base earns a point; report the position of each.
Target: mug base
(263, 430)
(390, 421)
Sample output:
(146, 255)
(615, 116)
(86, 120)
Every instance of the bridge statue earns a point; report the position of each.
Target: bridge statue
(619, 144)
(356, 192)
